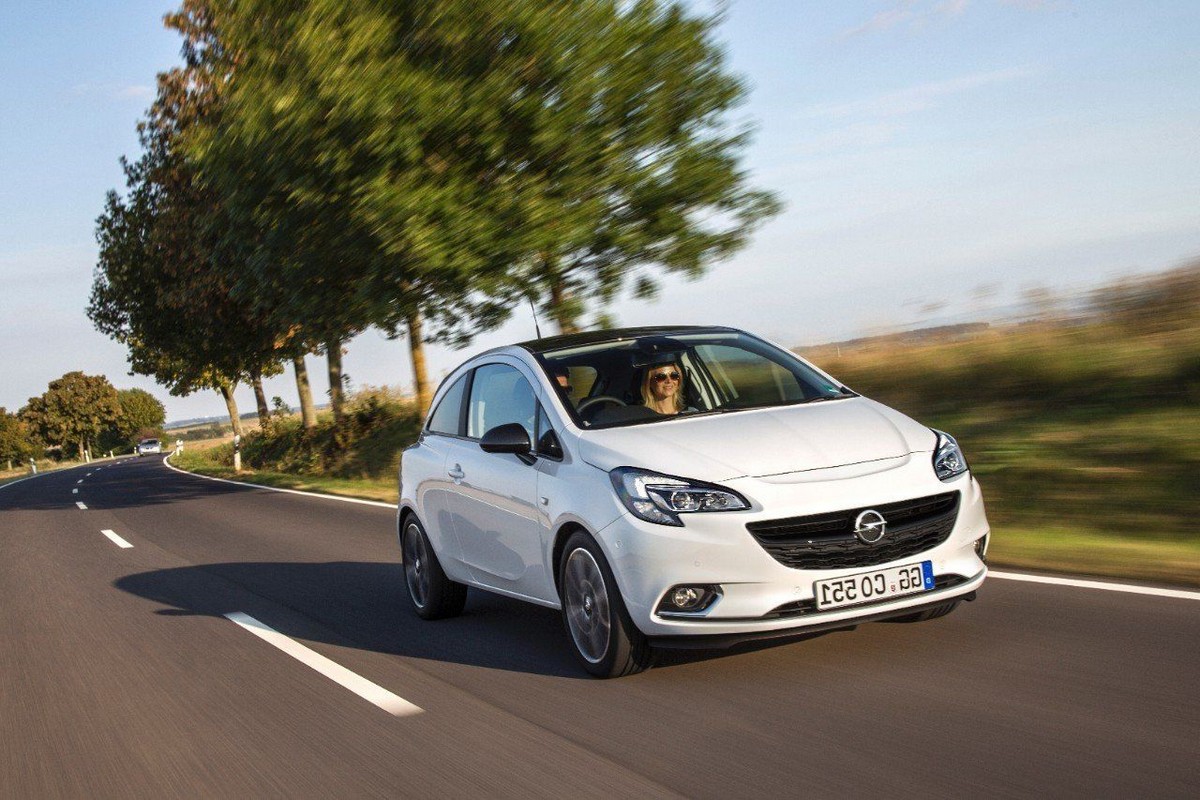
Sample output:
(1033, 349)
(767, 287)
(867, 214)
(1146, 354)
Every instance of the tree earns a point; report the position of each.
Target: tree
(142, 416)
(627, 168)
(16, 440)
(319, 110)
(73, 411)
(154, 290)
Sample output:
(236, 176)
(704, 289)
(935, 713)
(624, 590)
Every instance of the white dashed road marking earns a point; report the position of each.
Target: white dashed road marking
(79, 481)
(117, 540)
(82, 507)
(74, 491)
(371, 692)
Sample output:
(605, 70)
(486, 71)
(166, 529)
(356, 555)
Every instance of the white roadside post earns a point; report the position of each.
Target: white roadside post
(33, 466)
(237, 452)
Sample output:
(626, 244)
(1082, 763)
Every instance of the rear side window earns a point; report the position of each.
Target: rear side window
(447, 416)
(500, 395)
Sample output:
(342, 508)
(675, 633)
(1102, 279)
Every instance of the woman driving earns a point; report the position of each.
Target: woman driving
(662, 389)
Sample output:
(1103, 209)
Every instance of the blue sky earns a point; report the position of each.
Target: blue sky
(937, 160)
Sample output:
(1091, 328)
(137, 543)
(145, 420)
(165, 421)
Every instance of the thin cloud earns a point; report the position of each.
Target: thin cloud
(914, 98)
(1030, 5)
(907, 12)
(882, 20)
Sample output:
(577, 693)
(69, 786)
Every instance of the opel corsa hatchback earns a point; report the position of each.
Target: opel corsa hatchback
(682, 487)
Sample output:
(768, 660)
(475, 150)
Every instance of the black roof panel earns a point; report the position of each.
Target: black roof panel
(539, 346)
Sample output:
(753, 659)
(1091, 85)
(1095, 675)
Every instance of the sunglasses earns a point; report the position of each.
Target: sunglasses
(659, 377)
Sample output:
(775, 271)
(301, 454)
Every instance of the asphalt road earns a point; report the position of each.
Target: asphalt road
(120, 675)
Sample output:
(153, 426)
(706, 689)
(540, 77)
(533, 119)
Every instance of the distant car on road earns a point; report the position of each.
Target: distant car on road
(682, 487)
(148, 446)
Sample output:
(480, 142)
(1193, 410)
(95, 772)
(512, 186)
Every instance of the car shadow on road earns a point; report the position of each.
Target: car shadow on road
(363, 605)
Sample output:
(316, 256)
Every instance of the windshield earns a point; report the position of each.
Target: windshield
(655, 378)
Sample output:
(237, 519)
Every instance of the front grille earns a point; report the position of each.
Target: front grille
(800, 608)
(827, 541)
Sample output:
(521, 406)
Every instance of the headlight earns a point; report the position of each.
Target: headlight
(948, 460)
(661, 498)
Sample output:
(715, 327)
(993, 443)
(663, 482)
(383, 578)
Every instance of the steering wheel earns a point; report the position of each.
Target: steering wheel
(597, 400)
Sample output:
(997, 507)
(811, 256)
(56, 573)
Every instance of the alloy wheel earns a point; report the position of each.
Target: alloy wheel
(585, 597)
(416, 565)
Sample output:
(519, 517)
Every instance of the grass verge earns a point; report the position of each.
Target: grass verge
(204, 462)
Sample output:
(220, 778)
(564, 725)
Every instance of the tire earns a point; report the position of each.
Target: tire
(432, 594)
(930, 613)
(604, 638)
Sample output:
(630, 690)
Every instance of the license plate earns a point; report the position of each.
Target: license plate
(868, 587)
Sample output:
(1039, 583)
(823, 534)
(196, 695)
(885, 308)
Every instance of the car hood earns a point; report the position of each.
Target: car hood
(761, 442)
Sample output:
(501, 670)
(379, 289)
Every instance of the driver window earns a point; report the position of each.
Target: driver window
(500, 395)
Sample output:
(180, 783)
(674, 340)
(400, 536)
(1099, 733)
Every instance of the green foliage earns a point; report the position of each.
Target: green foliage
(154, 289)
(73, 411)
(17, 442)
(142, 416)
(377, 425)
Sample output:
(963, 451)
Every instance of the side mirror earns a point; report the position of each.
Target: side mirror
(510, 438)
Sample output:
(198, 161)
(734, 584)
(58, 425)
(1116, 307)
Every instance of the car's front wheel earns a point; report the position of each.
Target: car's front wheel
(433, 595)
(606, 641)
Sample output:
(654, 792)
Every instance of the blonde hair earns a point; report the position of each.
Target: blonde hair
(648, 396)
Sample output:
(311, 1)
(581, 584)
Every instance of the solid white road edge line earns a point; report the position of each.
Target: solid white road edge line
(378, 503)
(372, 693)
(117, 540)
(1083, 584)
(82, 507)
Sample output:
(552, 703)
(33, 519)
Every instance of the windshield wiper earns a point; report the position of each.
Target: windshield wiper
(822, 397)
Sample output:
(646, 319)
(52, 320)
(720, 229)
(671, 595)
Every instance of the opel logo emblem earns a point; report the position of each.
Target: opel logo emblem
(870, 526)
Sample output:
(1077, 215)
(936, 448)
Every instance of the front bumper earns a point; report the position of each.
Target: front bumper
(717, 549)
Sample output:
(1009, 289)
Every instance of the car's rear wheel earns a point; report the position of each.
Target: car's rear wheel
(433, 595)
(930, 613)
(606, 641)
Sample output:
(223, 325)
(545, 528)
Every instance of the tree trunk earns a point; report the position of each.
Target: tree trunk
(81, 449)
(337, 396)
(307, 413)
(416, 350)
(260, 399)
(562, 307)
(231, 405)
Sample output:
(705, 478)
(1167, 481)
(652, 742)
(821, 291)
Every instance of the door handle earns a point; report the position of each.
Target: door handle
(456, 472)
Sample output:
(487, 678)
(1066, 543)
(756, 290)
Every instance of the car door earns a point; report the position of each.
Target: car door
(496, 520)
(435, 492)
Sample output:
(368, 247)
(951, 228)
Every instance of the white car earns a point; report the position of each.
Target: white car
(148, 446)
(682, 487)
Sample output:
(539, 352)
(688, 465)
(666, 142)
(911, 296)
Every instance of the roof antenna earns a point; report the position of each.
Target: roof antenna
(533, 309)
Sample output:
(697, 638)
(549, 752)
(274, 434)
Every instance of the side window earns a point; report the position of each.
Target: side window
(448, 414)
(500, 395)
(547, 441)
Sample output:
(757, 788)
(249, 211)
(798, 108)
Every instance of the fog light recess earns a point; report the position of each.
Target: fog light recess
(688, 599)
(981, 546)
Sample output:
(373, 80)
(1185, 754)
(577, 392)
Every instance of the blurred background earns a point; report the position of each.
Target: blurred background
(981, 212)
